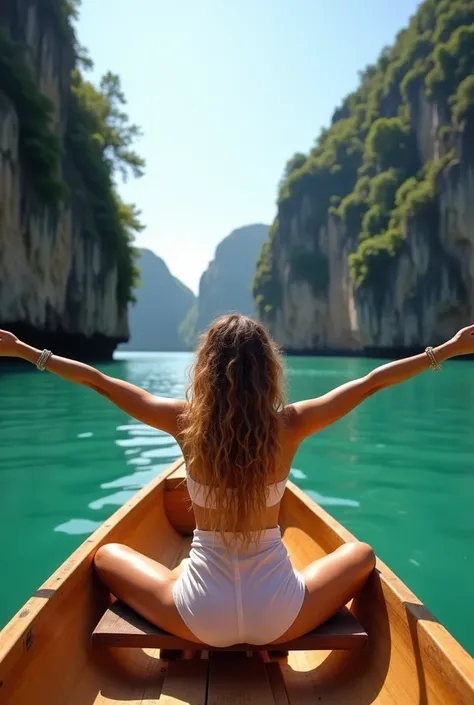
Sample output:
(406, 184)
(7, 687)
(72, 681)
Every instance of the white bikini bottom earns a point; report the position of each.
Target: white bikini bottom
(229, 596)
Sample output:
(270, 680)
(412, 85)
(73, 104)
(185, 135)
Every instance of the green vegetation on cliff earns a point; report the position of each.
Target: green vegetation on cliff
(98, 143)
(366, 171)
(99, 139)
(39, 144)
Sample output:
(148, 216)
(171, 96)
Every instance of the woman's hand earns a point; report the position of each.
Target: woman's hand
(9, 344)
(463, 342)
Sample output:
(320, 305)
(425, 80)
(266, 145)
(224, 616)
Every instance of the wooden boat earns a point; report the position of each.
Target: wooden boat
(47, 655)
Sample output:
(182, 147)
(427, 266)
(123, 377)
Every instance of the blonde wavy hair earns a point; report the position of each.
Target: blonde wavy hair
(231, 427)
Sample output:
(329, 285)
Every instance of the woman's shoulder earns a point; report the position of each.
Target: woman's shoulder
(289, 420)
(287, 415)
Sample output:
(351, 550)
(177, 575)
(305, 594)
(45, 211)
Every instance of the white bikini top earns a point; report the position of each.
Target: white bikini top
(199, 493)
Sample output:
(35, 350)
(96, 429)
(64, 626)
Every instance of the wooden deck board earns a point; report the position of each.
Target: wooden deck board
(277, 683)
(298, 683)
(130, 678)
(236, 679)
(185, 682)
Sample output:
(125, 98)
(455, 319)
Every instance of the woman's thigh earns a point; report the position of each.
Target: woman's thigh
(330, 583)
(143, 584)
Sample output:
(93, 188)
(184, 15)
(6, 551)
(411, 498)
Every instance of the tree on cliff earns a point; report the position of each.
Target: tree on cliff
(108, 124)
(100, 138)
(365, 170)
(98, 141)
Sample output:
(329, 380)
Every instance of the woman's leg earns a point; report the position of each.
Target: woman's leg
(143, 584)
(330, 583)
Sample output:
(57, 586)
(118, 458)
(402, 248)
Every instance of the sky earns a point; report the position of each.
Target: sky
(226, 91)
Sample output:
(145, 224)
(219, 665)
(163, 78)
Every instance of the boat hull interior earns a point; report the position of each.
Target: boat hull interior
(46, 654)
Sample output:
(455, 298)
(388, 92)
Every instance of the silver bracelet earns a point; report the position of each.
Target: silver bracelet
(434, 364)
(43, 360)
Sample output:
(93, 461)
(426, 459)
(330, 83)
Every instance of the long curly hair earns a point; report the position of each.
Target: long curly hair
(231, 427)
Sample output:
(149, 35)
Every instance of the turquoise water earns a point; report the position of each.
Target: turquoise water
(397, 472)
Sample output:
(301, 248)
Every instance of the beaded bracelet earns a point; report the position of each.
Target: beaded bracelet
(43, 359)
(434, 364)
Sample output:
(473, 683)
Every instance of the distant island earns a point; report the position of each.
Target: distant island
(162, 302)
(168, 317)
(226, 284)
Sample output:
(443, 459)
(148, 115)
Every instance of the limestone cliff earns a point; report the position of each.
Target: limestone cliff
(162, 303)
(58, 284)
(428, 293)
(373, 244)
(225, 286)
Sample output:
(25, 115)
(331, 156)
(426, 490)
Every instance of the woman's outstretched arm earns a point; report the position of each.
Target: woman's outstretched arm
(307, 417)
(159, 412)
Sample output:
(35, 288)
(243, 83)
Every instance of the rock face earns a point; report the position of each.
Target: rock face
(58, 286)
(226, 284)
(429, 290)
(350, 267)
(309, 319)
(162, 303)
(425, 293)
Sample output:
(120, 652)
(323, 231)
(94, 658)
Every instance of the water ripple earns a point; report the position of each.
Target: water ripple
(78, 527)
(332, 501)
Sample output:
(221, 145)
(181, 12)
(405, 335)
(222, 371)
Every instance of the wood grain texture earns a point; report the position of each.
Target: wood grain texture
(277, 683)
(185, 682)
(127, 678)
(47, 656)
(236, 679)
(176, 478)
(122, 627)
(178, 506)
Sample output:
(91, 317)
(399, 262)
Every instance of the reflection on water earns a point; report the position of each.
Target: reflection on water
(148, 446)
(298, 475)
(332, 501)
(79, 527)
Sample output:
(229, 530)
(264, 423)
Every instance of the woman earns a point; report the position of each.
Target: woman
(238, 440)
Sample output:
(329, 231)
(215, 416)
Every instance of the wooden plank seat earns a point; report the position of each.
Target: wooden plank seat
(121, 626)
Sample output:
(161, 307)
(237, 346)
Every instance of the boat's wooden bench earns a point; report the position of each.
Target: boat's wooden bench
(121, 626)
